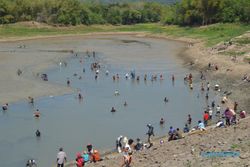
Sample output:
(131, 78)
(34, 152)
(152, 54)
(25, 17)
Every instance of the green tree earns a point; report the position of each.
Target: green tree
(114, 15)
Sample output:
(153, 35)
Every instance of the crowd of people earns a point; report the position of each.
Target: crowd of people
(212, 114)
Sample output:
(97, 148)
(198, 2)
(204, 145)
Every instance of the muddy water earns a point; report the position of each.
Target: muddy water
(67, 122)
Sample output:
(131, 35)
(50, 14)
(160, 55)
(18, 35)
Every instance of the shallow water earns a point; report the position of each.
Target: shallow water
(67, 122)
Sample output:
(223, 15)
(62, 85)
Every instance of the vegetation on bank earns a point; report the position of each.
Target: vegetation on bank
(211, 34)
(75, 12)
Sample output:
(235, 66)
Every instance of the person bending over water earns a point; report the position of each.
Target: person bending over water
(31, 163)
(117, 93)
(125, 104)
(166, 100)
(5, 107)
(113, 109)
(31, 100)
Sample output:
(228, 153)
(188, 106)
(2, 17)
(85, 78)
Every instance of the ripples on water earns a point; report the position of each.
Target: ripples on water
(65, 121)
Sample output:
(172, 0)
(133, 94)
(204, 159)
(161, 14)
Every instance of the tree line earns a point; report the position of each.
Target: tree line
(75, 12)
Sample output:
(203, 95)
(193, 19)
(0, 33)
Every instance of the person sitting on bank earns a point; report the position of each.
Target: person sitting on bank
(171, 133)
(127, 158)
(139, 145)
(85, 157)
(242, 114)
(178, 134)
(79, 160)
(224, 99)
(220, 124)
(201, 125)
(186, 129)
(96, 157)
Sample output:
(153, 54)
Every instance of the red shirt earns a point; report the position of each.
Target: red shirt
(206, 116)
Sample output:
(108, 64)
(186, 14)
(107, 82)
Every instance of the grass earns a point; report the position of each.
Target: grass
(233, 53)
(212, 34)
(234, 146)
(243, 41)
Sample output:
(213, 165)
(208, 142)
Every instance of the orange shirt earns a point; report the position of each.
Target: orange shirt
(96, 157)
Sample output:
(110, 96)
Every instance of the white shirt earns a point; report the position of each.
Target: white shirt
(210, 112)
(61, 156)
(218, 108)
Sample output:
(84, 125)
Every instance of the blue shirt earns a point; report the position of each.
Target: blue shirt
(201, 125)
(85, 157)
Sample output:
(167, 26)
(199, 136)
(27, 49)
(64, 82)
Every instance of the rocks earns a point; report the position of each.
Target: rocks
(240, 139)
(244, 156)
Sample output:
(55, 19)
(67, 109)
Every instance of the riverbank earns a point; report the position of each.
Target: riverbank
(186, 152)
(211, 35)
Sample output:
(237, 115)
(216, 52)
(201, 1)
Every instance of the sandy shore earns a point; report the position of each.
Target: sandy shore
(186, 152)
(15, 88)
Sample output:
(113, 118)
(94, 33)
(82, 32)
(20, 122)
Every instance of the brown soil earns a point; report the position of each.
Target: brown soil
(186, 152)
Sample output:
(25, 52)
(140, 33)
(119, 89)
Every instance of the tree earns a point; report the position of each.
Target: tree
(114, 16)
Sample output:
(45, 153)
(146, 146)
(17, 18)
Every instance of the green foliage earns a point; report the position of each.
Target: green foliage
(75, 12)
(114, 15)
